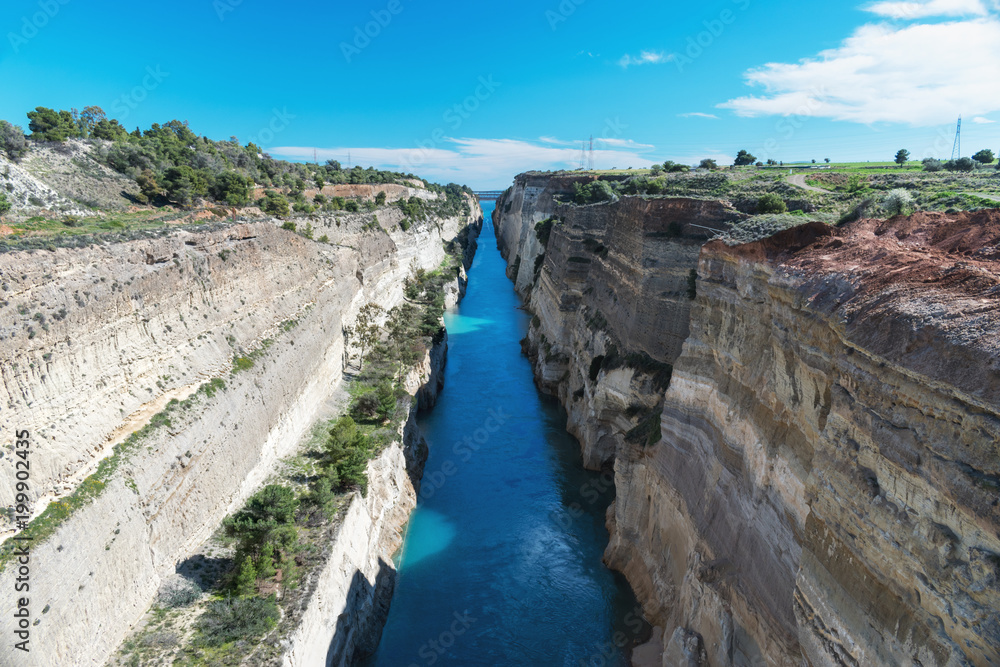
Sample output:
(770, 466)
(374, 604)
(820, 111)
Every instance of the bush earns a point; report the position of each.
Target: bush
(347, 453)
(236, 619)
(266, 517)
(543, 230)
(961, 164)
(4, 204)
(930, 164)
(12, 141)
(592, 193)
(232, 188)
(274, 204)
(771, 203)
(289, 226)
(377, 405)
(897, 202)
(352, 206)
(179, 595)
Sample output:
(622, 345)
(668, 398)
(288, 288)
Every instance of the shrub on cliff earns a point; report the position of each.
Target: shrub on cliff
(274, 204)
(232, 188)
(592, 193)
(268, 516)
(12, 141)
(771, 203)
(237, 619)
(4, 204)
(347, 452)
(543, 230)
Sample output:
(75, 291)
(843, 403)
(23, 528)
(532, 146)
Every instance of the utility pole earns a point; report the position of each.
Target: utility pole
(956, 151)
(592, 152)
(583, 156)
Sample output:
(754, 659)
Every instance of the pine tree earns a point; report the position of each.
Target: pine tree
(246, 580)
(265, 564)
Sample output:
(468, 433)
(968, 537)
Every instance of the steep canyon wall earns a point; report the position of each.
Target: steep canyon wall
(819, 482)
(96, 341)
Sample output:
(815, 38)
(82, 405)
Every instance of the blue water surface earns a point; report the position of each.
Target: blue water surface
(501, 564)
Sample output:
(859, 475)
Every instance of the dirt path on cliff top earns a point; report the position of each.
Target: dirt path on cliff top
(799, 181)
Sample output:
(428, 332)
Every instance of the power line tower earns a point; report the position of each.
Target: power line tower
(592, 152)
(956, 151)
(348, 158)
(583, 155)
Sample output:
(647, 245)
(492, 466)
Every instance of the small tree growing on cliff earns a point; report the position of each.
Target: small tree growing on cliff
(246, 579)
(367, 330)
(4, 204)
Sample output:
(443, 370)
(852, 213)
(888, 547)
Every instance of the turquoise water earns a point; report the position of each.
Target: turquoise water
(502, 559)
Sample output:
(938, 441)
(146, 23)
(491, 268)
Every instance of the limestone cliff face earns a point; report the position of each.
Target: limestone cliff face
(129, 326)
(349, 604)
(819, 483)
(610, 276)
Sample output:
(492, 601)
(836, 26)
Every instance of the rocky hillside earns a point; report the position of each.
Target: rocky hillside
(812, 478)
(161, 380)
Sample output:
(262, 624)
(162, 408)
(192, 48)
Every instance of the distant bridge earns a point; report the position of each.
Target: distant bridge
(489, 195)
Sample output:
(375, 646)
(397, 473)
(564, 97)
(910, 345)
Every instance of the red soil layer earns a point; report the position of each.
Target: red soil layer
(953, 252)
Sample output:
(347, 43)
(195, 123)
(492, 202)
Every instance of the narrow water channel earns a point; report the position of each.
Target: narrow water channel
(502, 559)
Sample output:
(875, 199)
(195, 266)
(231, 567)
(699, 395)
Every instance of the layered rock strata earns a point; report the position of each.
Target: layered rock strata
(819, 484)
(124, 328)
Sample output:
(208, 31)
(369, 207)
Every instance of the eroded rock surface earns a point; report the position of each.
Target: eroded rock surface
(129, 326)
(820, 482)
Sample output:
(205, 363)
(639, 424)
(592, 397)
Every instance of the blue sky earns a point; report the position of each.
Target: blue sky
(477, 92)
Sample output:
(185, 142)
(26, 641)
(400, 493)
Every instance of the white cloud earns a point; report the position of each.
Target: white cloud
(982, 121)
(645, 58)
(926, 8)
(919, 74)
(625, 143)
(480, 163)
(698, 114)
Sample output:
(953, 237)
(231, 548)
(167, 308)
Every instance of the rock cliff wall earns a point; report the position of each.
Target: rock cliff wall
(349, 604)
(819, 484)
(123, 329)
